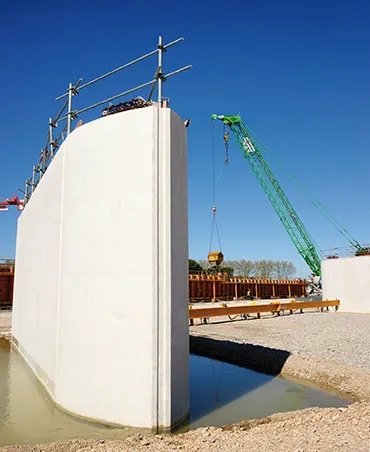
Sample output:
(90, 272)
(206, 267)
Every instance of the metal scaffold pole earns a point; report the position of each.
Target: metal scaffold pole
(51, 124)
(67, 113)
(159, 71)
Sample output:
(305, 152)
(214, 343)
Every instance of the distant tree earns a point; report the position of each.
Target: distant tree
(5, 263)
(244, 268)
(228, 270)
(284, 270)
(264, 269)
(231, 265)
(205, 264)
(194, 266)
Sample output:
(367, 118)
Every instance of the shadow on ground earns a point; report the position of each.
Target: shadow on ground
(261, 359)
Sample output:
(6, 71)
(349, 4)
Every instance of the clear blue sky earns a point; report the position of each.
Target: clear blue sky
(297, 71)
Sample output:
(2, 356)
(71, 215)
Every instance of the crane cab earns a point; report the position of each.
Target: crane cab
(215, 258)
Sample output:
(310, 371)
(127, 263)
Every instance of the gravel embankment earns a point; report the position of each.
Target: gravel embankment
(332, 349)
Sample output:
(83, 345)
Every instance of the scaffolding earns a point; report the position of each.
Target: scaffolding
(60, 126)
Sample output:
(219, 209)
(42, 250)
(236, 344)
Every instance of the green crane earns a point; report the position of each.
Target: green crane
(284, 209)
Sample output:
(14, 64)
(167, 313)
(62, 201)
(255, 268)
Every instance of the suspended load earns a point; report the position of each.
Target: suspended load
(215, 258)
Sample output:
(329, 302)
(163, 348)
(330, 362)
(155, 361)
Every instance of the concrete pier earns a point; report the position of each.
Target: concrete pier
(109, 215)
(348, 280)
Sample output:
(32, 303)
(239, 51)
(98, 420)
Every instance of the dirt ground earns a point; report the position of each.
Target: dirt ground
(329, 349)
(5, 323)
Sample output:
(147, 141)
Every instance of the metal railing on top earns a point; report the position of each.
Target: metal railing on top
(62, 122)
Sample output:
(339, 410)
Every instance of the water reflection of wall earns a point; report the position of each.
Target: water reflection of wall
(29, 408)
(28, 415)
(4, 366)
(223, 393)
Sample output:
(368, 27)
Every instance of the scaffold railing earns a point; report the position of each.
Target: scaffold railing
(60, 126)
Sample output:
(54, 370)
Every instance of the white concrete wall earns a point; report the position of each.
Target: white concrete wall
(101, 283)
(347, 280)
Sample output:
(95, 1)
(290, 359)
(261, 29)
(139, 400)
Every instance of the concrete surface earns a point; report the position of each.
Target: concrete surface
(108, 218)
(348, 280)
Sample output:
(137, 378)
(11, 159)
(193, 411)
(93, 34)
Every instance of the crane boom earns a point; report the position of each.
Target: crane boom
(15, 201)
(284, 209)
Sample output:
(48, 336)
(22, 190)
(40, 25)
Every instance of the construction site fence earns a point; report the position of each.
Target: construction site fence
(6, 287)
(203, 287)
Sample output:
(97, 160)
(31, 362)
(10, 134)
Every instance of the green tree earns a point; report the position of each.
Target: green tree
(228, 270)
(194, 266)
(231, 265)
(205, 264)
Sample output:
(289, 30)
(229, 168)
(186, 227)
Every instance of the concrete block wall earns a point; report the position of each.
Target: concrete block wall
(348, 280)
(109, 216)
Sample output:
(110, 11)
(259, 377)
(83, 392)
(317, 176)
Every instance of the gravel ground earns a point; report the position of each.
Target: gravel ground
(332, 344)
(338, 336)
(5, 323)
(323, 430)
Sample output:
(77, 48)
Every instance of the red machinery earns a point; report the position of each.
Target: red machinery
(15, 201)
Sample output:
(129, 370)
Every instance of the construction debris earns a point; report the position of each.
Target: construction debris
(133, 104)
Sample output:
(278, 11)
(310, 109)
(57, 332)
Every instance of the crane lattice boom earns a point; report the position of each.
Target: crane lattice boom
(284, 209)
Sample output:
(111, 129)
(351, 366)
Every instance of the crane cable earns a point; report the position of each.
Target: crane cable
(214, 208)
(261, 146)
(342, 230)
(226, 161)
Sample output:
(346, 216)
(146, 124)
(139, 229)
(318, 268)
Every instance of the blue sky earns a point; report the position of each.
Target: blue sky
(297, 71)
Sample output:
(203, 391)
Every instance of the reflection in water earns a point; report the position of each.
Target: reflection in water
(220, 394)
(27, 414)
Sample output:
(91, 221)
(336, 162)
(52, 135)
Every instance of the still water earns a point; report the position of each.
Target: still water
(220, 394)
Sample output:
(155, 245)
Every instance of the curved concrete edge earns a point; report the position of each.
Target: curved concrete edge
(350, 382)
(44, 386)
